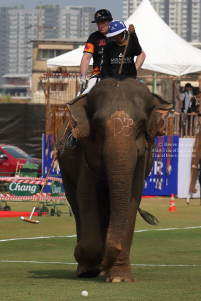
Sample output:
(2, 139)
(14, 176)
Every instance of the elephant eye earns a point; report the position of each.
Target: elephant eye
(140, 129)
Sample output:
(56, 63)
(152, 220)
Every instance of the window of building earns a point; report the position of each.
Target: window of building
(49, 53)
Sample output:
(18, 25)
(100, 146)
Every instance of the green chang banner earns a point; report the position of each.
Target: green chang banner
(56, 189)
(21, 189)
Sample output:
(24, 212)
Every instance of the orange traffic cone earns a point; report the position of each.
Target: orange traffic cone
(172, 204)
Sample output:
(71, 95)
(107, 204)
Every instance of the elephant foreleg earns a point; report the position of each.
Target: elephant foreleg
(89, 250)
(70, 191)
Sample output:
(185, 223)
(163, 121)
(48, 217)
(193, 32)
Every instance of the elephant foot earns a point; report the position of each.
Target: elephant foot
(88, 271)
(119, 276)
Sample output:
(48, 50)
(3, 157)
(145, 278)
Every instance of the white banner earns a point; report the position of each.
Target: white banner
(184, 168)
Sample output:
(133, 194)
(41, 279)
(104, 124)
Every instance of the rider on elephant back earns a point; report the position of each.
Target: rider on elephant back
(121, 47)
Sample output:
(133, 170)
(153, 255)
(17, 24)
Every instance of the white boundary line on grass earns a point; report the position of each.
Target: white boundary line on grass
(75, 263)
(168, 229)
(138, 231)
(40, 237)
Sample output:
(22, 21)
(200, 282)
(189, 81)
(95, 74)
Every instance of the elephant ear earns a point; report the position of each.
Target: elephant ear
(159, 111)
(80, 122)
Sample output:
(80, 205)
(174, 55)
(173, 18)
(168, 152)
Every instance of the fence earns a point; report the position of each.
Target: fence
(182, 124)
(26, 189)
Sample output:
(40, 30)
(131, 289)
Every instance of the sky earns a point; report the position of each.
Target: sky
(114, 6)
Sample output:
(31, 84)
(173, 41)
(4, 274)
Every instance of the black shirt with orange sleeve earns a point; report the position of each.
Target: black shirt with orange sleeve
(95, 45)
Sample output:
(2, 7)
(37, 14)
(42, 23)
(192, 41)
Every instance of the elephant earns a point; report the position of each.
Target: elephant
(115, 126)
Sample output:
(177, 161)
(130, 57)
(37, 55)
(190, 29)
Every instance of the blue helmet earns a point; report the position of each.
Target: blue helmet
(115, 28)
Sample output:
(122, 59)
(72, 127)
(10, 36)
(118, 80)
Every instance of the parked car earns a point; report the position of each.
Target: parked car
(12, 159)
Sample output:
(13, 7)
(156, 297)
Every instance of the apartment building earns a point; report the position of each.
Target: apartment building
(75, 22)
(183, 16)
(4, 42)
(18, 27)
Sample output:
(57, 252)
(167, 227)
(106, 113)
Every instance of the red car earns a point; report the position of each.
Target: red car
(11, 157)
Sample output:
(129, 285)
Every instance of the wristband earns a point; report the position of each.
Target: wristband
(83, 74)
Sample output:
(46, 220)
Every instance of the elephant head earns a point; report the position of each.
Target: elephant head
(115, 122)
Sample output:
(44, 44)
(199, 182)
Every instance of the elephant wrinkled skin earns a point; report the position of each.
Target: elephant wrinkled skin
(103, 177)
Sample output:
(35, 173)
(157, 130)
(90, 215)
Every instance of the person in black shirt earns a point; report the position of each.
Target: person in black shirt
(94, 48)
(193, 109)
(194, 103)
(112, 55)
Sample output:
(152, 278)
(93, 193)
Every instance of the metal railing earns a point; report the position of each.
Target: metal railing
(182, 124)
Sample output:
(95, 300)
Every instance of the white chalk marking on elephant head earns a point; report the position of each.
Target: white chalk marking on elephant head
(126, 123)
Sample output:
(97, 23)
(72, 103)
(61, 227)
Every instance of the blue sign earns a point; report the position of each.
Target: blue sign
(162, 179)
(48, 152)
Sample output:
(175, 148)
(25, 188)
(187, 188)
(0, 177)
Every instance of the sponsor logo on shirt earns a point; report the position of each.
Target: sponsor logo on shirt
(127, 60)
(96, 70)
(89, 48)
(100, 51)
(102, 43)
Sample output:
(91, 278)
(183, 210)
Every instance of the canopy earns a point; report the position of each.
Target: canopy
(166, 52)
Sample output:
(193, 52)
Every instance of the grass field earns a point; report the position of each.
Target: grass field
(166, 263)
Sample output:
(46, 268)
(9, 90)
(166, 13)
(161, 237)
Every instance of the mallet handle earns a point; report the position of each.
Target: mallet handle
(32, 212)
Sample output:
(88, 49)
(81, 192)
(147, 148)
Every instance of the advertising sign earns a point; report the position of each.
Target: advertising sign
(22, 189)
(162, 179)
(48, 151)
(55, 189)
(184, 168)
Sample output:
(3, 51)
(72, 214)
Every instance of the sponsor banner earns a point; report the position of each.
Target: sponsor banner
(22, 189)
(184, 168)
(162, 179)
(48, 151)
(55, 189)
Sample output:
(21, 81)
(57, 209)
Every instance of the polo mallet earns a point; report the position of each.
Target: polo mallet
(122, 60)
(30, 220)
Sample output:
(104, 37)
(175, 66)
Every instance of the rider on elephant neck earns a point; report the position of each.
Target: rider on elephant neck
(112, 54)
(94, 48)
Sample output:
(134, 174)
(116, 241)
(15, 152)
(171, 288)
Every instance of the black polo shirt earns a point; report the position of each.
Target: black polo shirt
(112, 57)
(95, 45)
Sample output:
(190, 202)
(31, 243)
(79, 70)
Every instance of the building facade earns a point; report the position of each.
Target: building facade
(43, 48)
(183, 16)
(18, 27)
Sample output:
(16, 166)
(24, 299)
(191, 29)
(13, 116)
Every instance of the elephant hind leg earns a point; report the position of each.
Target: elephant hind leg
(88, 271)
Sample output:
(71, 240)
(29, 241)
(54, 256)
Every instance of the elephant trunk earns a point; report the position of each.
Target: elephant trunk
(120, 156)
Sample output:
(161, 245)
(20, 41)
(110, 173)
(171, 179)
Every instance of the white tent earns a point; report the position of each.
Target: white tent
(166, 52)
